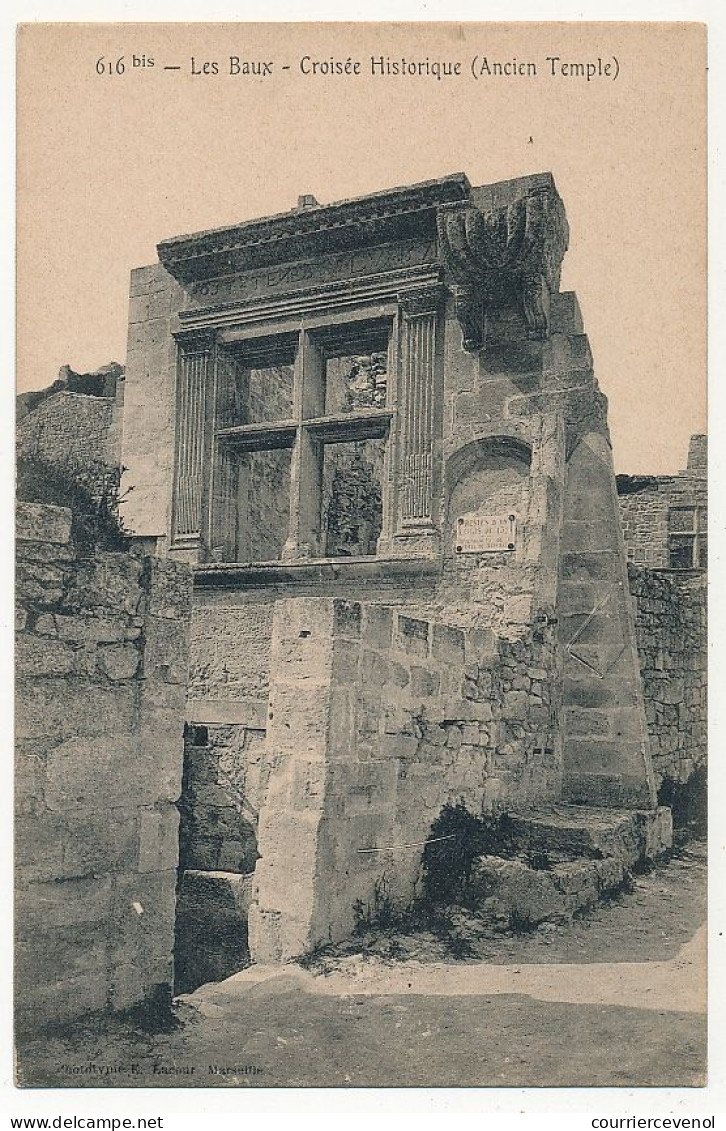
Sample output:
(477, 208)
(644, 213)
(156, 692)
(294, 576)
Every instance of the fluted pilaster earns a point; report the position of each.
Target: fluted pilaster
(195, 362)
(418, 373)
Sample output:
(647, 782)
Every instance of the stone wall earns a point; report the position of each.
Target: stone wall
(645, 502)
(230, 653)
(221, 796)
(101, 680)
(376, 720)
(72, 428)
(149, 408)
(670, 617)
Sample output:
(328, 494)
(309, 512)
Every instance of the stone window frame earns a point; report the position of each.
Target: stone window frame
(202, 502)
(696, 535)
(203, 509)
(310, 428)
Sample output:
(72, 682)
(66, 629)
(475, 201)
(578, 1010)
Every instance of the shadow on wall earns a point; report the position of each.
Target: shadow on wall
(217, 852)
(688, 802)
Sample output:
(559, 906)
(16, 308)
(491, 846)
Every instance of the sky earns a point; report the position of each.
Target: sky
(109, 164)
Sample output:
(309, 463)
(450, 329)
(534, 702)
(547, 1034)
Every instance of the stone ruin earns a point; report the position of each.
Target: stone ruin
(75, 421)
(373, 431)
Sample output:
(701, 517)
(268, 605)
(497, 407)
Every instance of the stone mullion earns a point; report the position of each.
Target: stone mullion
(304, 534)
(223, 541)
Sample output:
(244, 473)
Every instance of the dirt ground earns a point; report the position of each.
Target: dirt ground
(615, 999)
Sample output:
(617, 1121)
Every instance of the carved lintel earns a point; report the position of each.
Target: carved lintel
(421, 300)
(512, 251)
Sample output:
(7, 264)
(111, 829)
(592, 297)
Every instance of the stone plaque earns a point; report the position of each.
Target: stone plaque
(483, 533)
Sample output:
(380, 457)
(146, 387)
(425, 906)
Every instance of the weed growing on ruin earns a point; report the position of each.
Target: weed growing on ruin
(540, 861)
(446, 925)
(457, 838)
(381, 920)
(91, 492)
(380, 914)
(521, 923)
(617, 891)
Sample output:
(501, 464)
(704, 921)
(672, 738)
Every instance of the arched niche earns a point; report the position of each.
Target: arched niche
(489, 476)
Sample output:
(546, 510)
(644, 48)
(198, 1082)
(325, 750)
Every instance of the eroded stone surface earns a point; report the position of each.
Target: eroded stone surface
(99, 770)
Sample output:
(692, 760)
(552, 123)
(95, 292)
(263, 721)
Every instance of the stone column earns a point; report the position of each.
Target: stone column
(290, 872)
(326, 803)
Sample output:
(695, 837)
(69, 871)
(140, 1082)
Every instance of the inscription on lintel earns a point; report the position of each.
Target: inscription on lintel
(485, 533)
(295, 276)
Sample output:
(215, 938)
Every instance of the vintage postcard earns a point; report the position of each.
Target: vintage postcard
(361, 555)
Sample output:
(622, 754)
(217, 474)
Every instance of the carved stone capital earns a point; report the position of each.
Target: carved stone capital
(513, 251)
(196, 341)
(422, 300)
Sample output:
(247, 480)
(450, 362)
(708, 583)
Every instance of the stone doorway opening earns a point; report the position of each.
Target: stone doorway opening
(217, 851)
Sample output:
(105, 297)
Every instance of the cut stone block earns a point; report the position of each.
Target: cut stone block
(571, 831)
(512, 892)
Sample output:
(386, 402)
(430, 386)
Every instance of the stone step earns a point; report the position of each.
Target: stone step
(511, 893)
(569, 857)
(566, 832)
